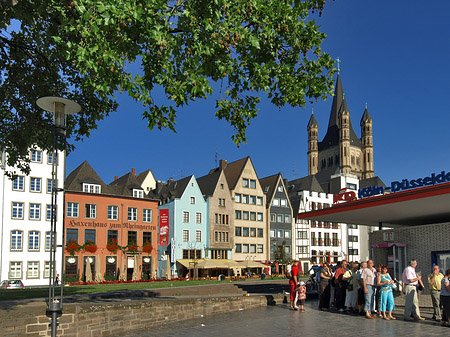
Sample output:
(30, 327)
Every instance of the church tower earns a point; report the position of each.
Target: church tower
(366, 145)
(341, 151)
(313, 149)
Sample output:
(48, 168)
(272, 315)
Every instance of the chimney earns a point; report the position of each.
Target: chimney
(133, 172)
(222, 164)
(115, 178)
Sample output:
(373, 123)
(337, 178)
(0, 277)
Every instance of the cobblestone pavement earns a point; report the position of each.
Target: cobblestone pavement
(280, 321)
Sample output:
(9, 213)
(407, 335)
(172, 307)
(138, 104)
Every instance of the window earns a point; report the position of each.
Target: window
(352, 226)
(112, 212)
(198, 236)
(89, 235)
(273, 233)
(353, 238)
(273, 217)
(186, 217)
(280, 233)
(253, 200)
(33, 241)
(253, 232)
(72, 235)
(238, 215)
(48, 243)
(253, 216)
(245, 231)
(238, 248)
(185, 235)
(36, 156)
(252, 183)
(259, 201)
(237, 197)
(280, 217)
(46, 269)
(221, 202)
(138, 193)
(50, 157)
(244, 182)
(192, 201)
(33, 269)
(302, 249)
(50, 185)
(260, 232)
(259, 249)
(276, 202)
(351, 186)
(245, 215)
(147, 215)
(287, 233)
(72, 209)
(245, 199)
(198, 218)
(287, 218)
(238, 231)
(259, 217)
(132, 213)
(283, 202)
(280, 188)
(112, 234)
(353, 252)
(90, 211)
(147, 237)
(18, 183)
(17, 210)
(48, 213)
(302, 235)
(15, 270)
(253, 249)
(35, 185)
(35, 211)
(245, 248)
(91, 188)
(16, 240)
(132, 237)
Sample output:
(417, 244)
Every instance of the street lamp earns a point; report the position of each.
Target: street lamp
(60, 107)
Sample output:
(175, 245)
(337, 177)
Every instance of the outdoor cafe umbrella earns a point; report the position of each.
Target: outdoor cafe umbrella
(98, 271)
(153, 264)
(88, 272)
(168, 271)
(135, 276)
(123, 275)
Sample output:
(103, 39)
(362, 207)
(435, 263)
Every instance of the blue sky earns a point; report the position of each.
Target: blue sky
(395, 55)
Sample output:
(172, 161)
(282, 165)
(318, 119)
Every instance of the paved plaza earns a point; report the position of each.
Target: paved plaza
(280, 321)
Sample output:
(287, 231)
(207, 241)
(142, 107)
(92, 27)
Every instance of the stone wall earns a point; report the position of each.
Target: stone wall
(113, 318)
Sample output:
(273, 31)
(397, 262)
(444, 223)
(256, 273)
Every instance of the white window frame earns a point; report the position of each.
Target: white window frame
(18, 235)
(276, 202)
(252, 183)
(132, 214)
(48, 213)
(48, 243)
(186, 217)
(32, 269)
(245, 182)
(34, 238)
(112, 212)
(36, 156)
(138, 193)
(51, 183)
(17, 207)
(198, 218)
(17, 270)
(50, 158)
(185, 235)
(18, 184)
(259, 216)
(35, 185)
(92, 209)
(92, 188)
(259, 248)
(73, 209)
(147, 215)
(34, 211)
(198, 236)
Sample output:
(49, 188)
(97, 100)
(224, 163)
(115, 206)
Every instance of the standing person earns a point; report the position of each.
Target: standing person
(385, 282)
(352, 288)
(301, 296)
(434, 282)
(293, 282)
(368, 281)
(445, 299)
(411, 281)
(377, 292)
(57, 280)
(341, 286)
(324, 287)
(360, 298)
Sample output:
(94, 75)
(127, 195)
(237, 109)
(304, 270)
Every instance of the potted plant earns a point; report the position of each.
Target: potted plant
(112, 246)
(147, 247)
(72, 247)
(132, 247)
(90, 247)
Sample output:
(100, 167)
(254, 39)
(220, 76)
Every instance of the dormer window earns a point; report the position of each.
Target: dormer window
(138, 193)
(91, 188)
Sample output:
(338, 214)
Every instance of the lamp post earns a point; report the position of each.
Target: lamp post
(60, 107)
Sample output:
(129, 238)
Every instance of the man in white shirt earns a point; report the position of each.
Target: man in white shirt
(410, 282)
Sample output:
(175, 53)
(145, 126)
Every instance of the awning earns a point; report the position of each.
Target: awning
(387, 245)
(209, 263)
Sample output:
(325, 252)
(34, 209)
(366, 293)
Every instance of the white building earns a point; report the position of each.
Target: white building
(26, 220)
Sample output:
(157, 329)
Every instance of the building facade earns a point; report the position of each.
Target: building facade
(116, 223)
(26, 220)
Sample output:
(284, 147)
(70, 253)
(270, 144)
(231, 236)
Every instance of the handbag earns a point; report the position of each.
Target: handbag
(350, 286)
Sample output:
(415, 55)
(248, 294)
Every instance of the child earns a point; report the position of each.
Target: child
(301, 295)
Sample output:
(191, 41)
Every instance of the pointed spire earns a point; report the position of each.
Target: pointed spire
(366, 118)
(312, 121)
(337, 103)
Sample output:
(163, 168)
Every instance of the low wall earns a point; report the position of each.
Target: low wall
(108, 319)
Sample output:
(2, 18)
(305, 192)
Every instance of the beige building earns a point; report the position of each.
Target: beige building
(250, 222)
(215, 189)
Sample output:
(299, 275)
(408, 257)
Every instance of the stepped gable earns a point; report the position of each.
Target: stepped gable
(84, 173)
(339, 105)
(269, 186)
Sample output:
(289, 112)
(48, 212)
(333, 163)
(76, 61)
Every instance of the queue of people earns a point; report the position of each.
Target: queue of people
(361, 288)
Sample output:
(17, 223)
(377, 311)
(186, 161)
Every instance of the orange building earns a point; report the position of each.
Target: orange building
(110, 229)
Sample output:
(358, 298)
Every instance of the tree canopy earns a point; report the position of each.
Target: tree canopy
(83, 49)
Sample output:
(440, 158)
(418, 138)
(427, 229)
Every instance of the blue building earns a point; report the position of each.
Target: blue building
(183, 202)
